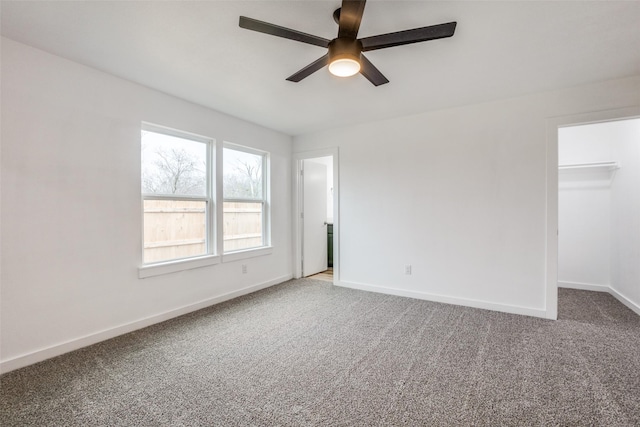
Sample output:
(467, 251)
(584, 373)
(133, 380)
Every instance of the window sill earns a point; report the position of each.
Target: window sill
(247, 253)
(151, 270)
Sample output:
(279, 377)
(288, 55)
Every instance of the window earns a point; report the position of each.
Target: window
(186, 222)
(177, 195)
(245, 205)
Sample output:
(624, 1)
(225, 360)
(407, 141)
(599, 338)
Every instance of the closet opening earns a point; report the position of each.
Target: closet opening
(599, 209)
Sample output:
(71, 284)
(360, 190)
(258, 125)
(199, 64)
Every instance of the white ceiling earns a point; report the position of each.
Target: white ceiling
(196, 51)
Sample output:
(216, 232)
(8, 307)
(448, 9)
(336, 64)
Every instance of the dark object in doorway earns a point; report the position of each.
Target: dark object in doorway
(330, 245)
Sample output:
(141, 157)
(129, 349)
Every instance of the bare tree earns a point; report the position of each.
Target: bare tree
(175, 171)
(253, 172)
(246, 182)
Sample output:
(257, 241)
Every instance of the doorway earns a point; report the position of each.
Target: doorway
(592, 217)
(316, 196)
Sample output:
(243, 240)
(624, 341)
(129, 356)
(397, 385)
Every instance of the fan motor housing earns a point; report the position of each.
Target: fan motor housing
(345, 48)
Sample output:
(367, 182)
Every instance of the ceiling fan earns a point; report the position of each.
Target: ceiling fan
(345, 56)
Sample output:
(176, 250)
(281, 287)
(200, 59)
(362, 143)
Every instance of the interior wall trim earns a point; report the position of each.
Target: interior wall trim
(624, 300)
(584, 286)
(465, 302)
(87, 340)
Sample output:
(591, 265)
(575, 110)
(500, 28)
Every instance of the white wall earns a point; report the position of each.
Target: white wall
(71, 219)
(459, 194)
(584, 205)
(625, 214)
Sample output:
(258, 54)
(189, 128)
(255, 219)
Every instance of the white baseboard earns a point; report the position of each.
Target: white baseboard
(526, 311)
(626, 301)
(87, 340)
(584, 286)
(602, 288)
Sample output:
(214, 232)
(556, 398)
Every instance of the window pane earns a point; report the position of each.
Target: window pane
(174, 229)
(242, 226)
(242, 175)
(172, 165)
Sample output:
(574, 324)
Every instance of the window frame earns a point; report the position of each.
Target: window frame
(265, 247)
(211, 255)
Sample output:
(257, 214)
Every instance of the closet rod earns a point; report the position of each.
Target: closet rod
(612, 165)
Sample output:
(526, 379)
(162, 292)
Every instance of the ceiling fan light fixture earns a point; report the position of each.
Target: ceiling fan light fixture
(344, 57)
(344, 67)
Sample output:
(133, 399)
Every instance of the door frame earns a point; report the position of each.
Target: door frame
(298, 192)
(553, 124)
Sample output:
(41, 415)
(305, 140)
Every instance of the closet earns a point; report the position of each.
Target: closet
(599, 208)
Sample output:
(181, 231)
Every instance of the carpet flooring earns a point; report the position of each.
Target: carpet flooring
(305, 353)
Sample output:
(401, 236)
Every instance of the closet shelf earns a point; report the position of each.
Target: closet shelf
(602, 165)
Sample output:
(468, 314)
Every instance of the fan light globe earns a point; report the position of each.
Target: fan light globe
(344, 67)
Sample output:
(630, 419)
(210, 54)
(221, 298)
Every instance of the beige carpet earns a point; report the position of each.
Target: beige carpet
(307, 353)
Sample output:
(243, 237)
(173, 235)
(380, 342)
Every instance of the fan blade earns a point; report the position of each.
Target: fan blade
(372, 74)
(416, 35)
(287, 33)
(309, 69)
(350, 18)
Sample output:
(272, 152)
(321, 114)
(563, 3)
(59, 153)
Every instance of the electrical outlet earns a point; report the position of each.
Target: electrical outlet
(407, 269)
(244, 268)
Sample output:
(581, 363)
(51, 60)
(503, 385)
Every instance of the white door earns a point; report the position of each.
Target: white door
(314, 235)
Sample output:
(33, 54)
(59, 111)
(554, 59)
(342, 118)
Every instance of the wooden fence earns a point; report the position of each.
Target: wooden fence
(242, 225)
(176, 229)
